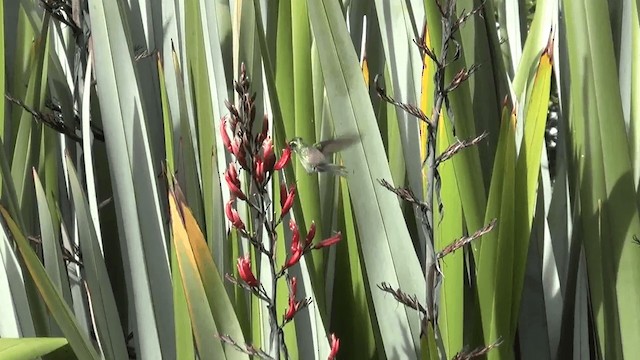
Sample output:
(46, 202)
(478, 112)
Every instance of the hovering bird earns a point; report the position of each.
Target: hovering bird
(317, 157)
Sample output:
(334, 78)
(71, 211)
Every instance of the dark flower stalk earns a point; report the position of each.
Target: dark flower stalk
(255, 156)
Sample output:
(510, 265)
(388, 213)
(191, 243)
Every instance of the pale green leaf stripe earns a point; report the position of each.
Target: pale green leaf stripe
(351, 319)
(206, 75)
(535, 43)
(29, 348)
(103, 303)
(167, 122)
(449, 227)
(78, 340)
(486, 263)
(50, 236)
(87, 152)
(188, 160)
(634, 128)
(404, 68)
(135, 184)
(303, 121)
(528, 170)
(387, 248)
(26, 144)
(14, 305)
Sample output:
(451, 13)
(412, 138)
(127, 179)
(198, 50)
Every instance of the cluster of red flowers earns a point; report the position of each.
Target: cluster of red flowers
(256, 156)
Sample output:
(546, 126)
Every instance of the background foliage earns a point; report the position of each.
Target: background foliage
(104, 98)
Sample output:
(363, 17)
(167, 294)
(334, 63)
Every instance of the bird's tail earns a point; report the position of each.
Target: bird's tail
(334, 169)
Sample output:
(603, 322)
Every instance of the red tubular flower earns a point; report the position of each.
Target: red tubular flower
(284, 159)
(267, 154)
(310, 235)
(233, 215)
(288, 202)
(296, 249)
(296, 254)
(328, 242)
(258, 170)
(225, 135)
(335, 346)
(244, 270)
(291, 310)
(231, 176)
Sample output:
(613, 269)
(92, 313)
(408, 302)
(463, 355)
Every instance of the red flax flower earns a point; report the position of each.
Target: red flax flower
(258, 170)
(286, 202)
(233, 215)
(296, 249)
(231, 176)
(284, 159)
(225, 135)
(335, 346)
(244, 270)
(329, 241)
(310, 235)
(267, 154)
(237, 148)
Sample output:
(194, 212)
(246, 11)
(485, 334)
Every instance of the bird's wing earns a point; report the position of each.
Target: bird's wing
(334, 145)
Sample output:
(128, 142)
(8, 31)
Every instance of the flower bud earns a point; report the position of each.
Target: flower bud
(244, 270)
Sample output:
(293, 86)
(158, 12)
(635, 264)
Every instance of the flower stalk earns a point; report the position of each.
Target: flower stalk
(255, 157)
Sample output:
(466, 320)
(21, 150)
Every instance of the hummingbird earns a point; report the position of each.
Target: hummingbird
(317, 157)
